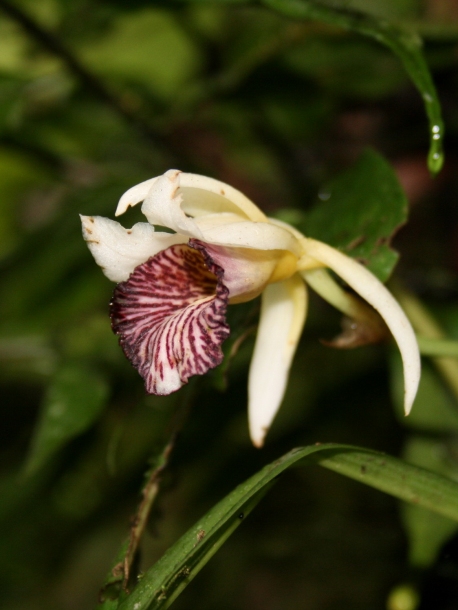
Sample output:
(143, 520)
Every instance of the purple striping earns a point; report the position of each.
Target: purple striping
(170, 316)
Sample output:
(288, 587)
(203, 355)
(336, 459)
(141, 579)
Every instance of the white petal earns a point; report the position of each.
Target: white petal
(203, 195)
(134, 195)
(246, 271)
(375, 293)
(162, 206)
(118, 250)
(165, 205)
(255, 235)
(283, 311)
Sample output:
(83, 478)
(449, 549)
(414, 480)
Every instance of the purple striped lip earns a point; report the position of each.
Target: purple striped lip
(170, 316)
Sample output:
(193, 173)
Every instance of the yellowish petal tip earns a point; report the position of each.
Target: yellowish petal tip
(258, 434)
(258, 443)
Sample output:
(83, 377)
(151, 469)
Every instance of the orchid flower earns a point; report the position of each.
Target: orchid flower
(173, 288)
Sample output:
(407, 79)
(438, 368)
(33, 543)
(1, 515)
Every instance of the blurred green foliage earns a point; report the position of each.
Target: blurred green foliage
(98, 96)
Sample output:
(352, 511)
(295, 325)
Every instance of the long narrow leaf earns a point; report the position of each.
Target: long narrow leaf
(172, 573)
(404, 43)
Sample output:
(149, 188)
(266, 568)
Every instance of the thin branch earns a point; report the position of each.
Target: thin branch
(90, 81)
(140, 521)
(122, 570)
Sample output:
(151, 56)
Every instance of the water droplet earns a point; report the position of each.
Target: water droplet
(436, 136)
(324, 195)
(436, 129)
(435, 161)
(427, 97)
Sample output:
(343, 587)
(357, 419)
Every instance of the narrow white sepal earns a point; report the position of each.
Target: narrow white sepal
(134, 195)
(118, 250)
(375, 293)
(283, 312)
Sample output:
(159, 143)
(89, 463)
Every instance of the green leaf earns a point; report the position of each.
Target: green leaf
(207, 1)
(427, 531)
(435, 409)
(351, 67)
(166, 59)
(162, 583)
(438, 347)
(72, 403)
(406, 44)
(360, 211)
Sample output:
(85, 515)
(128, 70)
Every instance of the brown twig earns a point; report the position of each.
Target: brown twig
(151, 489)
(149, 494)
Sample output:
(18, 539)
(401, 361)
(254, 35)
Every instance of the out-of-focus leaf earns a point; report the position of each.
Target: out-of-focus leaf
(405, 44)
(360, 211)
(440, 418)
(347, 65)
(17, 173)
(160, 585)
(25, 356)
(148, 47)
(205, 2)
(72, 403)
(434, 412)
(381, 8)
(438, 347)
(427, 531)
